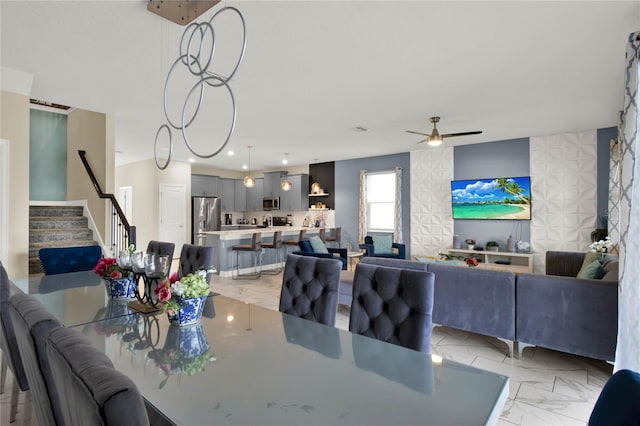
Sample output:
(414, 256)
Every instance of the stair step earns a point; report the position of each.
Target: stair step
(44, 235)
(34, 247)
(55, 210)
(58, 222)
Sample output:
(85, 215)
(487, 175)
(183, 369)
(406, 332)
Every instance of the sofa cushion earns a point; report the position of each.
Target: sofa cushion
(317, 245)
(588, 260)
(592, 271)
(382, 244)
(610, 266)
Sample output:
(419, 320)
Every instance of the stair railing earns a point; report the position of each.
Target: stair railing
(123, 234)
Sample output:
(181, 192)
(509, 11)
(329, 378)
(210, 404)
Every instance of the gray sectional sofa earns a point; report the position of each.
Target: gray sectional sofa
(555, 310)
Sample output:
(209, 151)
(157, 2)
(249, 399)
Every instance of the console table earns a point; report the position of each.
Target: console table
(519, 262)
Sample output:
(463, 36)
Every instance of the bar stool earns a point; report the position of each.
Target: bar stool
(335, 238)
(322, 233)
(276, 245)
(256, 249)
(294, 243)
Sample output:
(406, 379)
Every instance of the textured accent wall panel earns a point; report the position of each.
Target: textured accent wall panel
(563, 193)
(431, 219)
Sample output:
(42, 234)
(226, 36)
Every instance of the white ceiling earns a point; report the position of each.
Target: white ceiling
(313, 70)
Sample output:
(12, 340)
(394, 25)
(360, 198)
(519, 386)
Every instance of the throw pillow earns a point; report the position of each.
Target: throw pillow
(317, 245)
(593, 271)
(382, 244)
(588, 260)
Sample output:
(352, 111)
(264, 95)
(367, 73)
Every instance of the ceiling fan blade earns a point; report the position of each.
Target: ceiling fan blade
(417, 133)
(423, 141)
(452, 135)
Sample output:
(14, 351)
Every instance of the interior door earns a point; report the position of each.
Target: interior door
(172, 216)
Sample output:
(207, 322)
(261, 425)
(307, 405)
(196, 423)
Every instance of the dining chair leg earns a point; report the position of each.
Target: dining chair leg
(28, 408)
(15, 390)
(3, 372)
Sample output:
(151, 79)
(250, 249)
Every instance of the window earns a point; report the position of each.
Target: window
(381, 197)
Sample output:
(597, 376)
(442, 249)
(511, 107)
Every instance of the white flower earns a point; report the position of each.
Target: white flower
(601, 246)
(177, 288)
(523, 246)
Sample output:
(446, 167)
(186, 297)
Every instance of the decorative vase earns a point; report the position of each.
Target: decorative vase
(190, 342)
(189, 312)
(120, 288)
(471, 246)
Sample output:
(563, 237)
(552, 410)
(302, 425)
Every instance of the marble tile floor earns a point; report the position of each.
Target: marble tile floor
(546, 387)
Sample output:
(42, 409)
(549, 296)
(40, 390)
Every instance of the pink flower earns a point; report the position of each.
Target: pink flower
(116, 275)
(164, 293)
(170, 312)
(173, 278)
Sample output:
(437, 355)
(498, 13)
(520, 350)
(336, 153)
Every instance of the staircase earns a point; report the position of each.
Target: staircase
(56, 226)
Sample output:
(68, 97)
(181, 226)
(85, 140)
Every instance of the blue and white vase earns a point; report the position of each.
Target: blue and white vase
(120, 288)
(189, 313)
(190, 342)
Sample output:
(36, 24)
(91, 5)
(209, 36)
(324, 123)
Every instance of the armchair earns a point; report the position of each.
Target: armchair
(395, 251)
(307, 249)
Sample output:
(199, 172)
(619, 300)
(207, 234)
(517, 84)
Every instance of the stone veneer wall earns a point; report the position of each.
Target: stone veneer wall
(431, 220)
(564, 193)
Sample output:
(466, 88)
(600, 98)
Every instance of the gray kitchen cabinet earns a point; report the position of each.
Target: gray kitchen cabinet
(228, 194)
(297, 198)
(204, 186)
(240, 195)
(254, 196)
(272, 184)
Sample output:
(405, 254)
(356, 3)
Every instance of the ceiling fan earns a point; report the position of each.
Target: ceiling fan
(435, 138)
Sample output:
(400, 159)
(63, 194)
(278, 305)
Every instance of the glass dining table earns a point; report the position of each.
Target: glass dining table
(247, 365)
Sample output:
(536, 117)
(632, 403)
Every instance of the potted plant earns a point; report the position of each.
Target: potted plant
(492, 246)
(184, 297)
(118, 281)
(470, 243)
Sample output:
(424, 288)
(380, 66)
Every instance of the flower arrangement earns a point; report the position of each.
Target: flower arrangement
(602, 246)
(469, 241)
(172, 361)
(471, 261)
(523, 246)
(171, 290)
(108, 267)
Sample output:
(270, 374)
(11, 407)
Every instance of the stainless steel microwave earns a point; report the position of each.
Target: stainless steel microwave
(271, 203)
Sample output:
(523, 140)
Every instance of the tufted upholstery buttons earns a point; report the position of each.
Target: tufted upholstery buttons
(393, 305)
(310, 288)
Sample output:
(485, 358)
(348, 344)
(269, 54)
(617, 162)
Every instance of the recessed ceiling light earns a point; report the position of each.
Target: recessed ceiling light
(285, 161)
(192, 160)
(230, 153)
(244, 167)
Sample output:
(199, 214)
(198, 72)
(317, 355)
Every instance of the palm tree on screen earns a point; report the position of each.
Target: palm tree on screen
(512, 188)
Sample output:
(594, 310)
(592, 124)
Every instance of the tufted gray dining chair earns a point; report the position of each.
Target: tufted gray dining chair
(33, 323)
(92, 392)
(193, 258)
(310, 288)
(393, 305)
(11, 352)
(163, 249)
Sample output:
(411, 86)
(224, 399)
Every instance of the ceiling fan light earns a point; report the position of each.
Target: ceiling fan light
(285, 185)
(434, 141)
(249, 181)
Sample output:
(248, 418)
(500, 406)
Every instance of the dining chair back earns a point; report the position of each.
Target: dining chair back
(92, 392)
(617, 404)
(60, 260)
(10, 350)
(310, 288)
(33, 323)
(393, 305)
(193, 258)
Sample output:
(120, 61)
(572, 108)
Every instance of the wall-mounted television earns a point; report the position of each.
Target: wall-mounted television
(495, 198)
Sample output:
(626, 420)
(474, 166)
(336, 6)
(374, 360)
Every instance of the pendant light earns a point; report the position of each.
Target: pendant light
(286, 183)
(249, 180)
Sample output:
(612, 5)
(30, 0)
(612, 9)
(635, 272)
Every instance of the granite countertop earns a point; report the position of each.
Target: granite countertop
(235, 234)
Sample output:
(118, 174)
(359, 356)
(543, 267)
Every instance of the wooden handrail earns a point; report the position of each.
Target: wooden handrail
(129, 230)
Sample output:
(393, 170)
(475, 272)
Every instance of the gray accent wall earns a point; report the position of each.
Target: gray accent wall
(347, 189)
(509, 158)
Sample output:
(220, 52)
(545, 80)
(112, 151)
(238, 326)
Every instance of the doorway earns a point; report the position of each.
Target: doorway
(172, 215)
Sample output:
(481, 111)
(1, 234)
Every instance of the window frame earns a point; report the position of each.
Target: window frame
(369, 204)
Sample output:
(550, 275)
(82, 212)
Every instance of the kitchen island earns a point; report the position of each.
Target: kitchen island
(224, 258)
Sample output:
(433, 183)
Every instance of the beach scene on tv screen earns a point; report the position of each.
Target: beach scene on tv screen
(496, 198)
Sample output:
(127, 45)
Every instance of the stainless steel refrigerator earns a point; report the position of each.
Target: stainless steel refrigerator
(206, 216)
